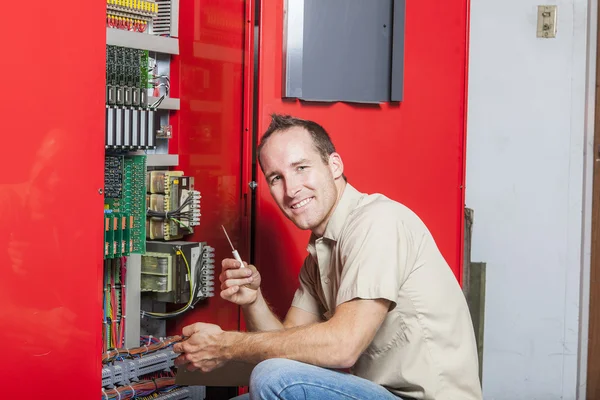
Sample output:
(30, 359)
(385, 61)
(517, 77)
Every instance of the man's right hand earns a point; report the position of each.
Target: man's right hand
(239, 285)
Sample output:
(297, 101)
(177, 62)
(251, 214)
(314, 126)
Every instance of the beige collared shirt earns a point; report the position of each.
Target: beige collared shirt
(373, 248)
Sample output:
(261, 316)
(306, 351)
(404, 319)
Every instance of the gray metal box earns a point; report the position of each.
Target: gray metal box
(344, 50)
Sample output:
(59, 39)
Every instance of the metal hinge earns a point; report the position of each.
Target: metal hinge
(253, 185)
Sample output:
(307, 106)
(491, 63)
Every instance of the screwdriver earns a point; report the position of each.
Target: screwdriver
(235, 253)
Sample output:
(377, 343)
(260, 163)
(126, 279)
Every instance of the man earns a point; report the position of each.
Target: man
(375, 294)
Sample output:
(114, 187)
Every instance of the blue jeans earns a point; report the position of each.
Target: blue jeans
(282, 379)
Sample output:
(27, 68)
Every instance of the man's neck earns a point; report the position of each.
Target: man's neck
(340, 185)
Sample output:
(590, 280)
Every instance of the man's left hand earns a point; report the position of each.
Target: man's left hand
(202, 348)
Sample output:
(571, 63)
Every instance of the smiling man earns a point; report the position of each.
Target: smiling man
(375, 295)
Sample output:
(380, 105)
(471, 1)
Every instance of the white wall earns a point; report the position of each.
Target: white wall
(526, 183)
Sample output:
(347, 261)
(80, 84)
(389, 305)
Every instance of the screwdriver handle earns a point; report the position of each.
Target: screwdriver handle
(236, 255)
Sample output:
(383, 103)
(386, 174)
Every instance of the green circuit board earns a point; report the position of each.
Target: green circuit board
(125, 206)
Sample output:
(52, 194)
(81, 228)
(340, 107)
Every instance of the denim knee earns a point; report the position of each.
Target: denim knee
(270, 377)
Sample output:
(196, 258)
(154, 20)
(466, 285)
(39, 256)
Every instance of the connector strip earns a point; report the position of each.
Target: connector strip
(207, 277)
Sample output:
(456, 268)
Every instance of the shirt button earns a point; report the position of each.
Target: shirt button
(326, 281)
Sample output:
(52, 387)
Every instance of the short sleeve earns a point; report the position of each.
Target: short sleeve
(305, 297)
(374, 256)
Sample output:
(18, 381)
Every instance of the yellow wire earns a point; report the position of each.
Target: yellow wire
(187, 265)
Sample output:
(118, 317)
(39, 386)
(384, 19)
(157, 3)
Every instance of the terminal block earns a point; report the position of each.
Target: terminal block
(207, 275)
(124, 372)
(130, 15)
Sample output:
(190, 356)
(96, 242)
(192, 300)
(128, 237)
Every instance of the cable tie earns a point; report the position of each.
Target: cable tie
(147, 350)
(119, 393)
(133, 395)
(149, 339)
(128, 353)
(155, 385)
(104, 393)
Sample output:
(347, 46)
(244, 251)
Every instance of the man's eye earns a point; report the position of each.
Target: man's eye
(275, 179)
(302, 167)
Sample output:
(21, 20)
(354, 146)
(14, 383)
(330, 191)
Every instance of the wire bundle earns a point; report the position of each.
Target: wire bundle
(185, 212)
(156, 345)
(114, 304)
(157, 85)
(125, 23)
(141, 388)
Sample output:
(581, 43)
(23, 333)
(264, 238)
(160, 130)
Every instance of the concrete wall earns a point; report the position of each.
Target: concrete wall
(526, 158)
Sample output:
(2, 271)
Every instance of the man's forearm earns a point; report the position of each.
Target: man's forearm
(259, 316)
(318, 344)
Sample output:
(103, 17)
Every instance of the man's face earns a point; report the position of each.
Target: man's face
(302, 185)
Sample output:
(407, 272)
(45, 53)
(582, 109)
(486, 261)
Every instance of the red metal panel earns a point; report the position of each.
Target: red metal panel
(51, 211)
(412, 152)
(208, 138)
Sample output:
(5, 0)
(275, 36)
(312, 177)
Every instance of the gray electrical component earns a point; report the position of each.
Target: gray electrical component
(143, 128)
(127, 127)
(135, 128)
(151, 131)
(166, 22)
(110, 127)
(120, 126)
(130, 128)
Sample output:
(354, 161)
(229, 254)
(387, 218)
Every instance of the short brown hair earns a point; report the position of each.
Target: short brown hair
(320, 137)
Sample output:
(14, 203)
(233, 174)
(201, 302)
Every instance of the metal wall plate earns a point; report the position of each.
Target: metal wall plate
(546, 23)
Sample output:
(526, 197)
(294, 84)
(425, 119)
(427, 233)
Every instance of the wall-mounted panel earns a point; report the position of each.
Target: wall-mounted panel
(343, 50)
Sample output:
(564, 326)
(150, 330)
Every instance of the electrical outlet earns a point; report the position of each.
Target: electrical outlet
(546, 23)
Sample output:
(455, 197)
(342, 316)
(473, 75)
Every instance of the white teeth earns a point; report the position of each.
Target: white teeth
(302, 203)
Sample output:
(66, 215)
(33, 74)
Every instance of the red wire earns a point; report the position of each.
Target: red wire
(113, 315)
(123, 304)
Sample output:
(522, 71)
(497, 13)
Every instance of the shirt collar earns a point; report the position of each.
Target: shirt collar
(347, 204)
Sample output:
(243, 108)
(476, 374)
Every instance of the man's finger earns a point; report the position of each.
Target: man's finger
(178, 348)
(235, 274)
(191, 329)
(235, 282)
(230, 263)
(229, 292)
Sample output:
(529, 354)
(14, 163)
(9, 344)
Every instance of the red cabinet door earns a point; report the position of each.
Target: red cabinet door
(212, 132)
(412, 151)
(51, 201)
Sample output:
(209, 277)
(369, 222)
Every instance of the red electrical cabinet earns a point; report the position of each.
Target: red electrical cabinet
(53, 136)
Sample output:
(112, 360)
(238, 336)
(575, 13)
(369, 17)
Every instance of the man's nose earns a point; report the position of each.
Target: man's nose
(292, 187)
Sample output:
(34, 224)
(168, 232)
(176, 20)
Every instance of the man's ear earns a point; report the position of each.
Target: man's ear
(336, 165)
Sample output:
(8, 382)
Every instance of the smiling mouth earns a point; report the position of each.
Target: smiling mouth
(302, 203)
